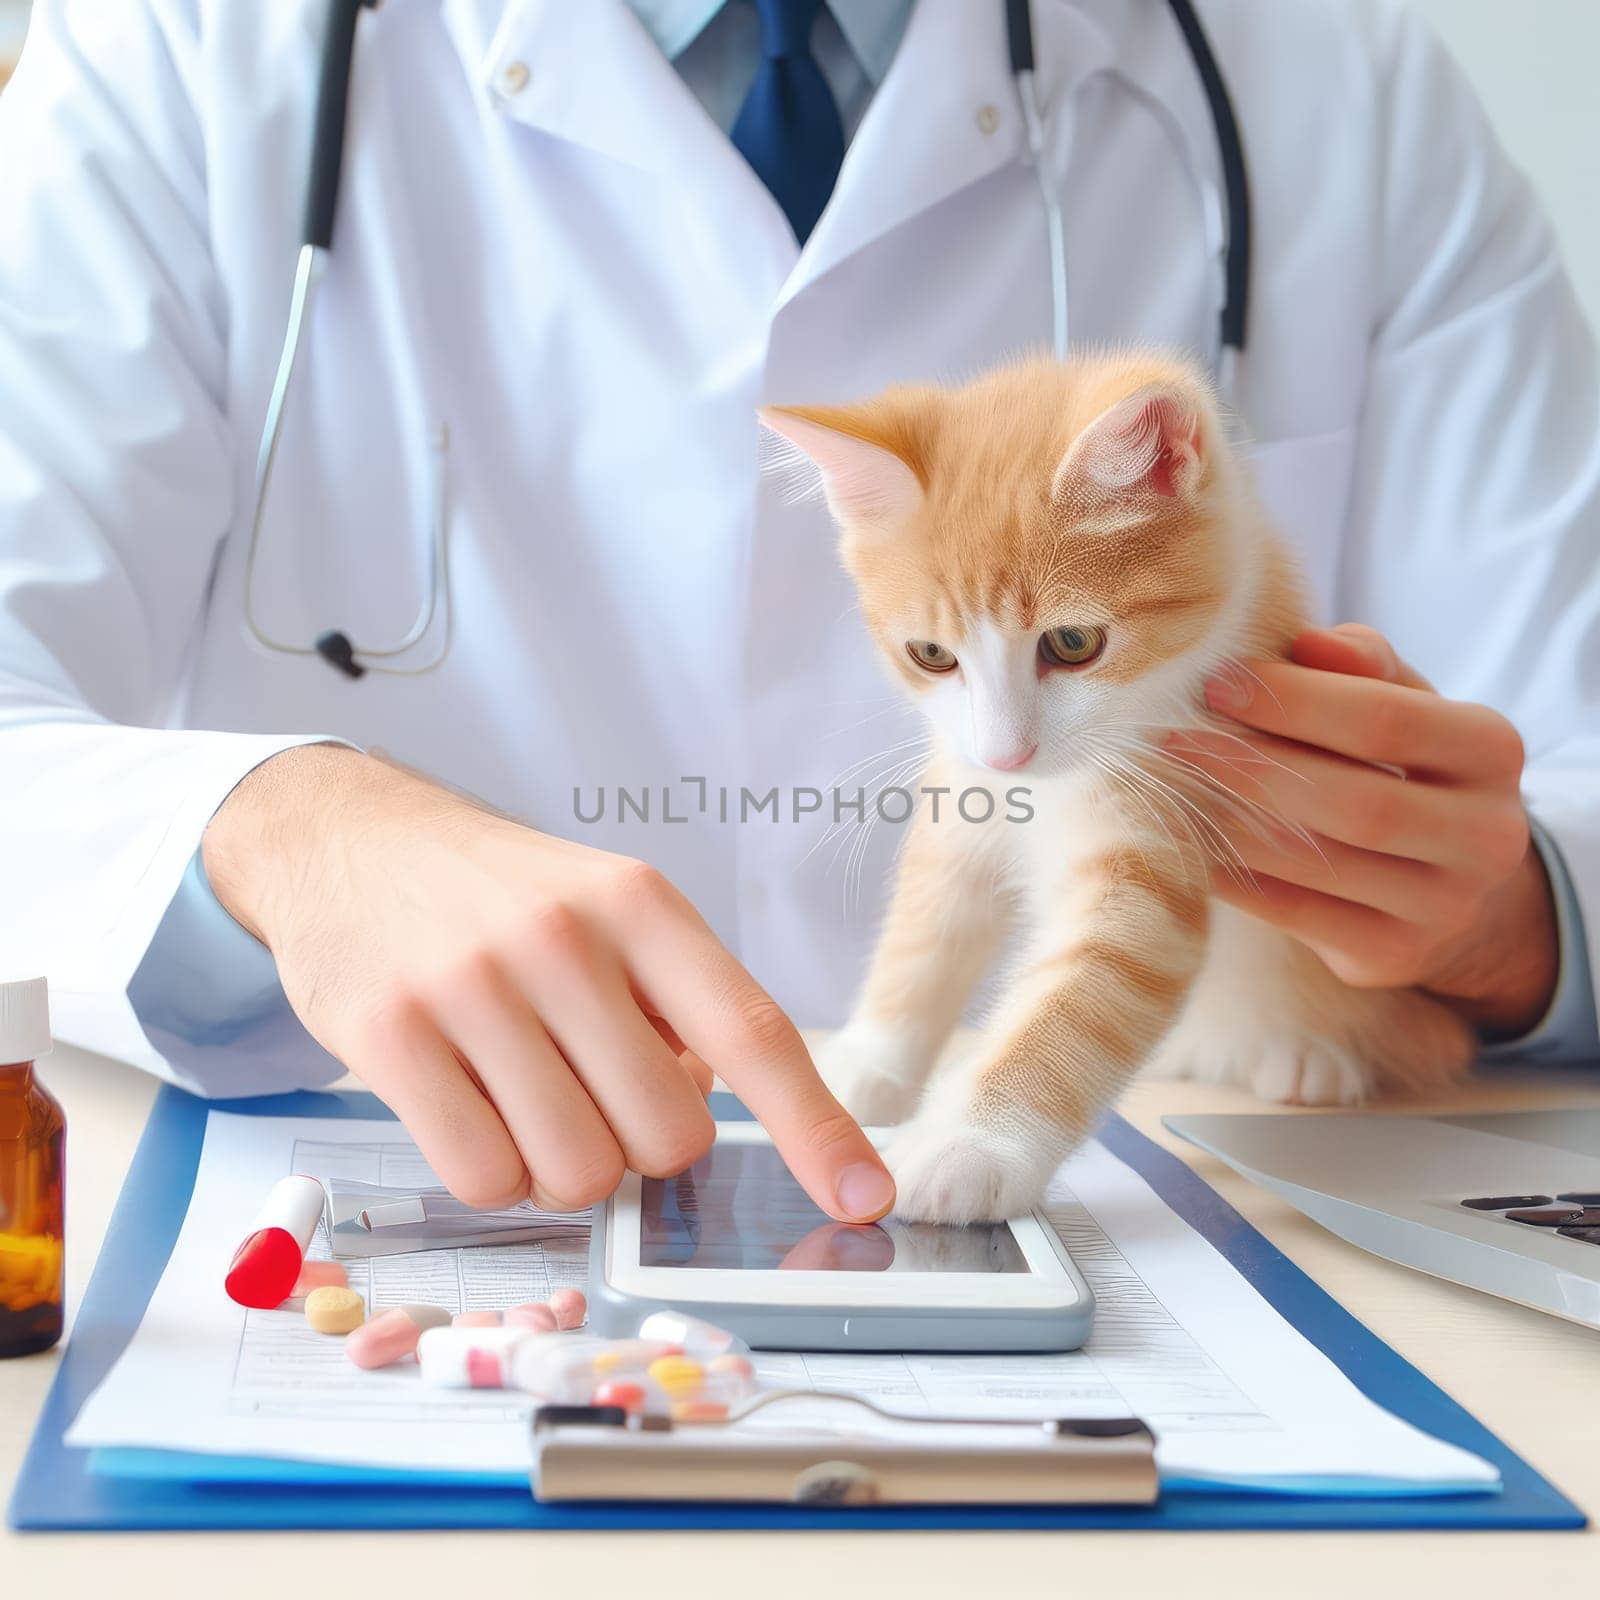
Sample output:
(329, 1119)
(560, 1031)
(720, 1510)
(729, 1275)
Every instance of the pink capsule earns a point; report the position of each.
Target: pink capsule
(476, 1319)
(319, 1275)
(570, 1307)
(383, 1341)
(535, 1316)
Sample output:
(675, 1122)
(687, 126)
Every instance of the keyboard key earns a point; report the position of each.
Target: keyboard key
(1583, 1197)
(1554, 1217)
(1504, 1202)
(1584, 1235)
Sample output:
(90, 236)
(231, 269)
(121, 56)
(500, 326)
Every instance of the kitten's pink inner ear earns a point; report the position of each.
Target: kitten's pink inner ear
(1146, 444)
(863, 481)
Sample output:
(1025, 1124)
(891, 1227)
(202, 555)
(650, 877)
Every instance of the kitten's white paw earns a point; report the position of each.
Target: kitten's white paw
(1306, 1072)
(1267, 1014)
(950, 1171)
(872, 1073)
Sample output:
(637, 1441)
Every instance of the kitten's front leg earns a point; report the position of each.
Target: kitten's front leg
(944, 919)
(1110, 974)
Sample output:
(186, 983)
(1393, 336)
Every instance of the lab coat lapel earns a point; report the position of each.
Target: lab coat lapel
(587, 72)
(946, 116)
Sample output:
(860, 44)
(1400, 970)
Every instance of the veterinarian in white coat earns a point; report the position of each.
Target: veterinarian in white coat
(558, 286)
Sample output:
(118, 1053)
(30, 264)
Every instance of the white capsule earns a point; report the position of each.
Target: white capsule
(702, 1340)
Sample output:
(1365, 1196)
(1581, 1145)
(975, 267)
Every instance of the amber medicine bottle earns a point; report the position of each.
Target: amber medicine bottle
(32, 1144)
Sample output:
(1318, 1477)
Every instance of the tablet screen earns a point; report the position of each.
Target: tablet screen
(738, 1208)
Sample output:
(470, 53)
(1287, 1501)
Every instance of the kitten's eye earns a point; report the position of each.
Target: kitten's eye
(929, 656)
(1071, 647)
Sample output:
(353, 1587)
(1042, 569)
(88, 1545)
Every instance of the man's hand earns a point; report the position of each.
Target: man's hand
(538, 1014)
(1407, 860)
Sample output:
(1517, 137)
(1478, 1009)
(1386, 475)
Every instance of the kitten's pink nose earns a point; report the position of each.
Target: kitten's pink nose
(1014, 761)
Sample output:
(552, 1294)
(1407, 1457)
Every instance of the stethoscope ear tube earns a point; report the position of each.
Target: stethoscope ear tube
(1235, 177)
(1019, 35)
(327, 139)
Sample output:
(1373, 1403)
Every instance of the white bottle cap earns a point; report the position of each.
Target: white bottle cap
(24, 1020)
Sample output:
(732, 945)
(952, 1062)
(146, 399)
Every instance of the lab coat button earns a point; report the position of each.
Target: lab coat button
(514, 77)
(988, 119)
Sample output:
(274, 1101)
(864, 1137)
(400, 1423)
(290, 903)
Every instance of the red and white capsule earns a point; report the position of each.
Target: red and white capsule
(266, 1265)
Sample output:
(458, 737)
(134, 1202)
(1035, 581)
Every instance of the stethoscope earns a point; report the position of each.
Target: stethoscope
(327, 152)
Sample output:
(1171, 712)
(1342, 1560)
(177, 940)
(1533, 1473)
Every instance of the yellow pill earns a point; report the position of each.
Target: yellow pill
(676, 1374)
(331, 1309)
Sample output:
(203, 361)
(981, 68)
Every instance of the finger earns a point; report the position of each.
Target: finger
(1292, 787)
(727, 1019)
(705, 1080)
(1410, 890)
(1355, 941)
(841, 1247)
(1370, 721)
(1356, 649)
(411, 1067)
(569, 1150)
(651, 1103)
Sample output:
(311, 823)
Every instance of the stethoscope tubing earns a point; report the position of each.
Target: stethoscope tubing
(322, 198)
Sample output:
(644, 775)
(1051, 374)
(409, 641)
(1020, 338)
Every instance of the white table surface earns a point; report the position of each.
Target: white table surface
(1533, 1380)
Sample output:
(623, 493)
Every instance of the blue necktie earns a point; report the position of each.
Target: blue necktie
(788, 128)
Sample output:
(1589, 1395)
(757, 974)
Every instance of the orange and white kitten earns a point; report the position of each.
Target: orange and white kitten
(1053, 559)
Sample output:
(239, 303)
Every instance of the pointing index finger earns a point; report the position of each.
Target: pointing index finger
(724, 1016)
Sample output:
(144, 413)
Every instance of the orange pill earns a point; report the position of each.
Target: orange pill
(630, 1396)
(570, 1307)
(319, 1275)
(732, 1366)
(476, 1319)
(383, 1341)
(699, 1411)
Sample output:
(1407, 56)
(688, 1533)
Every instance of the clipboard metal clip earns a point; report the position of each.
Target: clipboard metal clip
(602, 1453)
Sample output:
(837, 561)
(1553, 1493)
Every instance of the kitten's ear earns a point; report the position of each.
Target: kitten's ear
(1146, 447)
(865, 482)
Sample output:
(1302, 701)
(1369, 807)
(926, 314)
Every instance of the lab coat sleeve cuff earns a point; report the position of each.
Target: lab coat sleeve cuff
(1567, 1031)
(205, 994)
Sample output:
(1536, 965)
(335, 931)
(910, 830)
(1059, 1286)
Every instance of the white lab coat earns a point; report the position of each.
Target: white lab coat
(584, 281)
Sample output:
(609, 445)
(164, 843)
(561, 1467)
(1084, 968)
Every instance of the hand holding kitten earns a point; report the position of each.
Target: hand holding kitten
(1415, 866)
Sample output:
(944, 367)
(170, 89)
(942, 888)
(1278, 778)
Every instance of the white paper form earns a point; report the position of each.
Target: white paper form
(1233, 1392)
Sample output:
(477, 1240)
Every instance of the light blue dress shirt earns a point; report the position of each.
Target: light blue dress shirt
(207, 981)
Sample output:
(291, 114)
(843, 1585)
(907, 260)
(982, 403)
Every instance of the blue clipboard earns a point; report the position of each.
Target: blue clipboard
(57, 1488)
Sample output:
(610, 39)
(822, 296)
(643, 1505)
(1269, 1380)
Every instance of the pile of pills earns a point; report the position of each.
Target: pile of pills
(321, 1289)
(677, 1366)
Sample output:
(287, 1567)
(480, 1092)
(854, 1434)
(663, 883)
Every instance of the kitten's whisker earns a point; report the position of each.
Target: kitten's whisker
(920, 741)
(841, 828)
(1256, 754)
(847, 834)
(871, 716)
(1188, 809)
(1257, 818)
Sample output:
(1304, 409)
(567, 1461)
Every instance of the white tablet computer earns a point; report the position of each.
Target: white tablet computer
(737, 1241)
